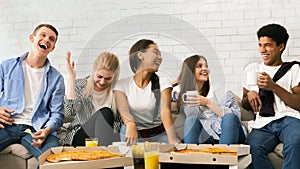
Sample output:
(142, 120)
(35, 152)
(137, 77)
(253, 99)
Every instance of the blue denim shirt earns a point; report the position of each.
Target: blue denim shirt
(48, 110)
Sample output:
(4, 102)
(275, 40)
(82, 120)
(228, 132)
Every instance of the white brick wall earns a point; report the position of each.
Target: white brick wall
(222, 30)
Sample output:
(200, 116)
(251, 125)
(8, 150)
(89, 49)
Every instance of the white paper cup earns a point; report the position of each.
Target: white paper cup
(252, 78)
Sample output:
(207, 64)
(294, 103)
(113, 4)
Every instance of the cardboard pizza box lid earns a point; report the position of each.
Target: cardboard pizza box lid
(205, 158)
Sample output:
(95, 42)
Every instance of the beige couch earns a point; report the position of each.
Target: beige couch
(16, 156)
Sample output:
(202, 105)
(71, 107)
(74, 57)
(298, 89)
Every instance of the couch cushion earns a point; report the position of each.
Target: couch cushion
(278, 150)
(276, 160)
(18, 150)
(246, 115)
(32, 163)
(6, 150)
(9, 161)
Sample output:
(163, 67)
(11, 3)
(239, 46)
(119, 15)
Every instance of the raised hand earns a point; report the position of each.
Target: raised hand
(72, 75)
(70, 65)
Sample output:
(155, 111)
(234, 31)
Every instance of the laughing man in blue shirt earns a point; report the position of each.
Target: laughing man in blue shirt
(31, 96)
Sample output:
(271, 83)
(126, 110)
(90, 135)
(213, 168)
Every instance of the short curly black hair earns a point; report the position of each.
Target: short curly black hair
(275, 31)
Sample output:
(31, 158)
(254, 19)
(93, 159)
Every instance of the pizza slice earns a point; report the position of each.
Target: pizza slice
(220, 151)
(82, 155)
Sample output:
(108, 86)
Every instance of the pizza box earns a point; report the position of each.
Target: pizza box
(92, 164)
(243, 151)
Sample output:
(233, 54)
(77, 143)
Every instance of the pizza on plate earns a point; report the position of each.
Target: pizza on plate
(219, 151)
(82, 155)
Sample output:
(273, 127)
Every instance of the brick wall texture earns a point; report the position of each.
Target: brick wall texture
(222, 30)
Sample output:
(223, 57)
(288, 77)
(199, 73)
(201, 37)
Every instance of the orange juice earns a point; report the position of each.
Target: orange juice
(91, 142)
(151, 160)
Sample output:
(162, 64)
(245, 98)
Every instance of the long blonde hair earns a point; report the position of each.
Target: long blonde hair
(107, 61)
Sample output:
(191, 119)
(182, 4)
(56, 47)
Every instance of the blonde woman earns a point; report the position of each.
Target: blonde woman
(89, 102)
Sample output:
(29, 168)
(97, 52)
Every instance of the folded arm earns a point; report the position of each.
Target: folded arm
(290, 99)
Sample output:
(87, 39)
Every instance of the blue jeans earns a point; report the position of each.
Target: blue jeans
(162, 138)
(264, 140)
(231, 131)
(15, 134)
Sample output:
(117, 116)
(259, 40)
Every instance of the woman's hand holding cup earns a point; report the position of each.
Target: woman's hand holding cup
(191, 97)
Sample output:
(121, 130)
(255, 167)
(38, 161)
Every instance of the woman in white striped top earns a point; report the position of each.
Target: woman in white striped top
(89, 102)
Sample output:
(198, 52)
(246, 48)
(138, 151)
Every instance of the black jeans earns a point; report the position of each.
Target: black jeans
(100, 125)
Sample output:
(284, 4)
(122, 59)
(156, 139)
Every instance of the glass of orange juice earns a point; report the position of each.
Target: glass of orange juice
(151, 155)
(91, 142)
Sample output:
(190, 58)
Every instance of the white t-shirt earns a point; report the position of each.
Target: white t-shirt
(32, 87)
(102, 99)
(288, 81)
(141, 102)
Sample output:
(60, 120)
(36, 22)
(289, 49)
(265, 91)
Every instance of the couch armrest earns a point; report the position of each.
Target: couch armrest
(174, 107)
(17, 150)
(246, 115)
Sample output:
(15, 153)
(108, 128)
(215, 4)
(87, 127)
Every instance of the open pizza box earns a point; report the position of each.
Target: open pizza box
(243, 157)
(91, 164)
